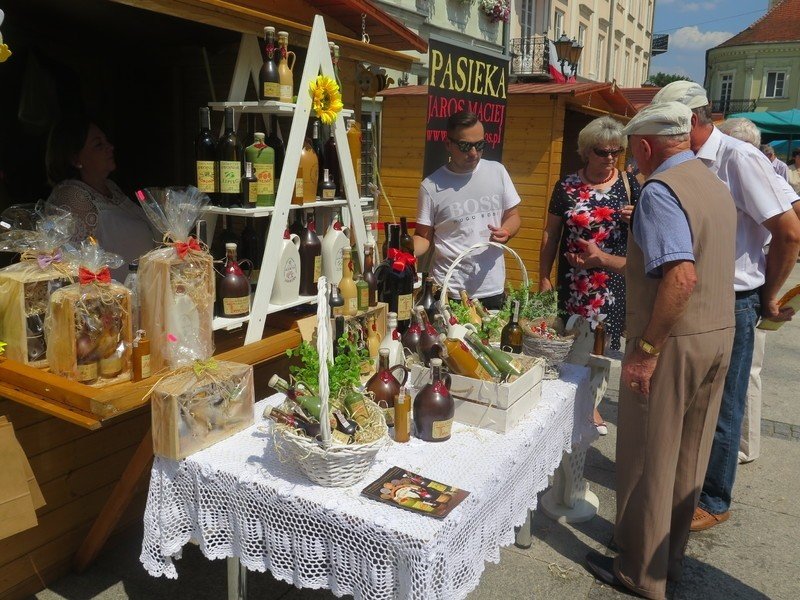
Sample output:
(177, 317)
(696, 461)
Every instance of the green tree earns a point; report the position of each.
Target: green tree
(661, 79)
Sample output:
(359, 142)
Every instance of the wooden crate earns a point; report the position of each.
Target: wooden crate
(490, 405)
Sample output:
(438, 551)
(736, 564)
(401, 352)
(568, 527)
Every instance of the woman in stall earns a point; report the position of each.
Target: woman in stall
(79, 160)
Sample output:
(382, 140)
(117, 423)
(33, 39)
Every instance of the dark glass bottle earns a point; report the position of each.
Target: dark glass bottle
(205, 157)
(411, 336)
(223, 238)
(229, 163)
(599, 339)
(386, 234)
(427, 299)
(336, 302)
(369, 274)
(252, 248)
(328, 188)
(269, 81)
(430, 346)
(338, 333)
(434, 408)
(234, 288)
(319, 150)
(332, 164)
(511, 336)
(276, 143)
(310, 259)
(406, 241)
(399, 286)
(297, 225)
(249, 187)
(384, 386)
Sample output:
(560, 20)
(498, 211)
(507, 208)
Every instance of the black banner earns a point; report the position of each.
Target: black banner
(464, 79)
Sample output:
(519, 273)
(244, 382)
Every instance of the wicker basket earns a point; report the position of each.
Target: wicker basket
(336, 465)
(553, 351)
(326, 463)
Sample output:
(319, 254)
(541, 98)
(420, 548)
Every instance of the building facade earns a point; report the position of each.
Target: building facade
(759, 68)
(616, 35)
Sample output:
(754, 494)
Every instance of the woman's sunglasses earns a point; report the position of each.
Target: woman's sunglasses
(467, 146)
(603, 153)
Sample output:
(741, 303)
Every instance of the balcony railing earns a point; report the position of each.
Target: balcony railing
(727, 107)
(530, 57)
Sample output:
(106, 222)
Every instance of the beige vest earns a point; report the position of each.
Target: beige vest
(711, 213)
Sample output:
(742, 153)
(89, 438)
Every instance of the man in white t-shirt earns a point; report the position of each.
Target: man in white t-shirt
(467, 201)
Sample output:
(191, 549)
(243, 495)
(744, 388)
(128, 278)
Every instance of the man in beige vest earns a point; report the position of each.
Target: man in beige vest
(680, 323)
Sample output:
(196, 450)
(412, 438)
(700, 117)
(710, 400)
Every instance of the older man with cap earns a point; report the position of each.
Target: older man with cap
(763, 208)
(679, 286)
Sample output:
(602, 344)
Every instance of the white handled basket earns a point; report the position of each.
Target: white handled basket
(325, 463)
(444, 299)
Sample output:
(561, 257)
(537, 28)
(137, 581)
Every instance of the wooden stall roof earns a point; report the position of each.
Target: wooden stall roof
(578, 94)
(387, 35)
(641, 96)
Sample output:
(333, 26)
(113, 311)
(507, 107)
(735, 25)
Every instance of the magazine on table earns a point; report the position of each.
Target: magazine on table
(410, 491)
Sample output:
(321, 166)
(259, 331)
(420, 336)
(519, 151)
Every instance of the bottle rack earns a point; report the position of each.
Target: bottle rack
(318, 60)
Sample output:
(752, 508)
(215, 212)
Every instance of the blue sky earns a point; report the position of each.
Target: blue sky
(694, 26)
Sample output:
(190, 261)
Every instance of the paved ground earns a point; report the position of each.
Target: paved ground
(754, 556)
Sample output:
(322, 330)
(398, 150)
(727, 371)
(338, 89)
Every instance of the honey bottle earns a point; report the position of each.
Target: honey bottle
(141, 356)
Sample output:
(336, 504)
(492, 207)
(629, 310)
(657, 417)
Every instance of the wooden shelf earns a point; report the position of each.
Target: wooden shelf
(270, 107)
(266, 211)
(236, 322)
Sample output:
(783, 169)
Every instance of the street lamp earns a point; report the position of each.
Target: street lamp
(569, 53)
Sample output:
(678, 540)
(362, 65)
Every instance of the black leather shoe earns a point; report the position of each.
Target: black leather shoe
(602, 567)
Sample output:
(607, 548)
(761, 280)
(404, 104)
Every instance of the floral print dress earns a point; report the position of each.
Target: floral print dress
(593, 214)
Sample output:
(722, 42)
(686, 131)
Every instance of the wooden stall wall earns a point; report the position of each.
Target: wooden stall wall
(532, 154)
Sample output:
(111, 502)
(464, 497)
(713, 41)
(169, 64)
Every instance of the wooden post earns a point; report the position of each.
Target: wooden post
(117, 503)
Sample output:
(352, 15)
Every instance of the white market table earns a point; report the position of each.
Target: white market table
(238, 501)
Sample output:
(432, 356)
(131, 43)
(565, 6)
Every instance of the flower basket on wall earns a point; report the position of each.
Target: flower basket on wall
(496, 10)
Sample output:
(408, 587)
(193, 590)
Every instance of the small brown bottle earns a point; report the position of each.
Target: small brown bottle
(402, 416)
(141, 356)
(234, 288)
(599, 339)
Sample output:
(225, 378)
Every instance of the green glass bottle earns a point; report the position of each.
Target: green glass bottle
(262, 158)
(362, 294)
(484, 361)
(502, 360)
(311, 404)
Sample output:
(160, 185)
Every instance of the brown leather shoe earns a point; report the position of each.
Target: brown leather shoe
(703, 519)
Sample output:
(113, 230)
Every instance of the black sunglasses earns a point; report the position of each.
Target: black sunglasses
(603, 153)
(467, 146)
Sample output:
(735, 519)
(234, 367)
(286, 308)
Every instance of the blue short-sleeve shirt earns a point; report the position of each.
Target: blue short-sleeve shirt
(660, 227)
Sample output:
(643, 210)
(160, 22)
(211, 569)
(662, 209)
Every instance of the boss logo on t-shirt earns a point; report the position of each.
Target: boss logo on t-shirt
(468, 209)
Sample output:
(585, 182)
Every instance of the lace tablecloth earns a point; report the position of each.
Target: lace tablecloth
(237, 499)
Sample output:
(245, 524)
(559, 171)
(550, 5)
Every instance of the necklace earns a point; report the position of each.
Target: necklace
(606, 180)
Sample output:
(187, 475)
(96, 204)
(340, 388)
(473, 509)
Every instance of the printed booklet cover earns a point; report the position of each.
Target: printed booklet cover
(407, 490)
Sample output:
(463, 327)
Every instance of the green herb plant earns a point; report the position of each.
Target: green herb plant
(344, 374)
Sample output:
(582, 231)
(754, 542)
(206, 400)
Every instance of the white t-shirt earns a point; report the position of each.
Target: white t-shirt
(460, 207)
(759, 195)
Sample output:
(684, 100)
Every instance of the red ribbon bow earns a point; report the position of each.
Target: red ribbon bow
(182, 248)
(85, 276)
(400, 260)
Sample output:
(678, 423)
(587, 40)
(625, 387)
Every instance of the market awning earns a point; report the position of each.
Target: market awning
(387, 35)
(785, 123)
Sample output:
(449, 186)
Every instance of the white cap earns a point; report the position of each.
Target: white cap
(687, 93)
(668, 118)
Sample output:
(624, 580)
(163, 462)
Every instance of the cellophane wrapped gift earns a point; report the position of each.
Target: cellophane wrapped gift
(88, 323)
(199, 405)
(25, 287)
(177, 280)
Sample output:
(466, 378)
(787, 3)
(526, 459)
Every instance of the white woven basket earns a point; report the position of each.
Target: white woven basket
(326, 463)
(444, 299)
(336, 465)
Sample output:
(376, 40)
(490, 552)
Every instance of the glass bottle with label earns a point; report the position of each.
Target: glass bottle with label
(234, 287)
(310, 259)
(461, 360)
(392, 341)
(335, 301)
(427, 299)
(406, 241)
(229, 163)
(369, 274)
(306, 186)
(411, 336)
(205, 156)
(140, 356)
(511, 335)
(473, 314)
(599, 347)
(308, 401)
(249, 187)
(507, 364)
(347, 286)
(328, 188)
(399, 287)
(402, 416)
(429, 345)
(354, 143)
(286, 60)
(263, 159)
(384, 386)
(362, 293)
(373, 339)
(269, 81)
(434, 408)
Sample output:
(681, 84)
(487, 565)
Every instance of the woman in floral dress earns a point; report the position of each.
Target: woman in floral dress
(592, 205)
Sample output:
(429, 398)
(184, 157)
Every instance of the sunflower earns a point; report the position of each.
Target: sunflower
(326, 100)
